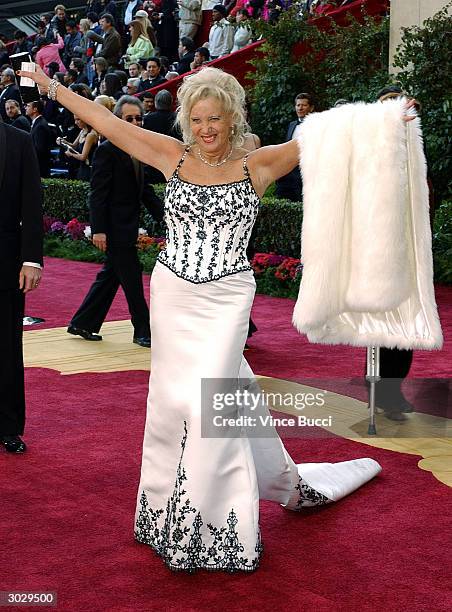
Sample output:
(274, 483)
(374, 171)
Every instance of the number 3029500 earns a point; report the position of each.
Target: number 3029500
(30, 598)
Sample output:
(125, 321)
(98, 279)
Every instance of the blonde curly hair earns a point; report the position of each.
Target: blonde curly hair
(212, 83)
(106, 101)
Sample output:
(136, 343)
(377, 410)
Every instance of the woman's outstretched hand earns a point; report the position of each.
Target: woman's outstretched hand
(39, 77)
(408, 114)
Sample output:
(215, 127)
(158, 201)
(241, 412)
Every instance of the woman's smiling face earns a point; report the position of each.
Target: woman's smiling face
(211, 126)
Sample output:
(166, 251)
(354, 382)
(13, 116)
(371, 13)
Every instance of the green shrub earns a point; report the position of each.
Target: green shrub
(442, 243)
(351, 63)
(76, 250)
(278, 227)
(268, 284)
(64, 199)
(148, 258)
(425, 57)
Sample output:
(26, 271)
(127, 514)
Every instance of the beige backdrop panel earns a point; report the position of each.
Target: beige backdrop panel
(405, 13)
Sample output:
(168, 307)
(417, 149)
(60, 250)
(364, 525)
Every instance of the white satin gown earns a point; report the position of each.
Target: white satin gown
(198, 498)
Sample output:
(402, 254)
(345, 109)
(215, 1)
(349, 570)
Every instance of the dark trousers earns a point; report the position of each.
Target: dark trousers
(122, 267)
(395, 363)
(12, 395)
(251, 328)
(394, 367)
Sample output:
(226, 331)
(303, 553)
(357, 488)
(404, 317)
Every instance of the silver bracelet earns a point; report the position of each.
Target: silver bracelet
(52, 89)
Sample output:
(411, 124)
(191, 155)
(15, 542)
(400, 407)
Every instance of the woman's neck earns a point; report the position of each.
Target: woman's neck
(217, 157)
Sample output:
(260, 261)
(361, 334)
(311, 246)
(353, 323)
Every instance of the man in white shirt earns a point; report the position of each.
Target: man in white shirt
(242, 35)
(221, 35)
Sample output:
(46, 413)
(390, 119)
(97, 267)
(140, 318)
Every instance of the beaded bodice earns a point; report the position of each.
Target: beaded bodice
(208, 227)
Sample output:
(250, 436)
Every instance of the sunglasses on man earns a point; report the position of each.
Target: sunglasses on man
(131, 118)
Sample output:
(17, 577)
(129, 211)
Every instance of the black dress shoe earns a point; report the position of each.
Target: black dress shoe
(144, 341)
(395, 415)
(407, 406)
(13, 444)
(84, 333)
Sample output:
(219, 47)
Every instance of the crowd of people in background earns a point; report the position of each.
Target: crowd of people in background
(106, 52)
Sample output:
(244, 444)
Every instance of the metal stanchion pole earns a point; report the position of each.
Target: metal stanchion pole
(372, 376)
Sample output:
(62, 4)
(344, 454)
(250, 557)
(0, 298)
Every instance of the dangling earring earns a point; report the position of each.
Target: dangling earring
(232, 134)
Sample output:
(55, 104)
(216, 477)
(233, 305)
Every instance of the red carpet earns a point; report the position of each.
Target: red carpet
(68, 504)
(277, 348)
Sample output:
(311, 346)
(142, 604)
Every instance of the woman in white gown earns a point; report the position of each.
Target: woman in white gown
(198, 498)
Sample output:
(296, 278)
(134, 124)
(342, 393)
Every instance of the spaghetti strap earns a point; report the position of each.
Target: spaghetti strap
(181, 161)
(245, 167)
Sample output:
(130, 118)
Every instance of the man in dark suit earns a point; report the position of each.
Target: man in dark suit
(41, 134)
(161, 121)
(45, 27)
(58, 21)
(23, 45)
(78, 65)
(186, 54)
(130, 10)
(21, 261)
(151, 77)
(72, 39)
(290, 187)
(118, 187)
(163, 118)
(15, 117)
(10, 91)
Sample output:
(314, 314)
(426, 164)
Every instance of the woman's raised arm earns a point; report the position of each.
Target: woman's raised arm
(162, 152)
(270, 163)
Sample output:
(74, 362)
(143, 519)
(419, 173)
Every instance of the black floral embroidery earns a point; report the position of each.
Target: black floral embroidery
(307, 496)
(209, 227)
(195, 280)
(179, 540)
